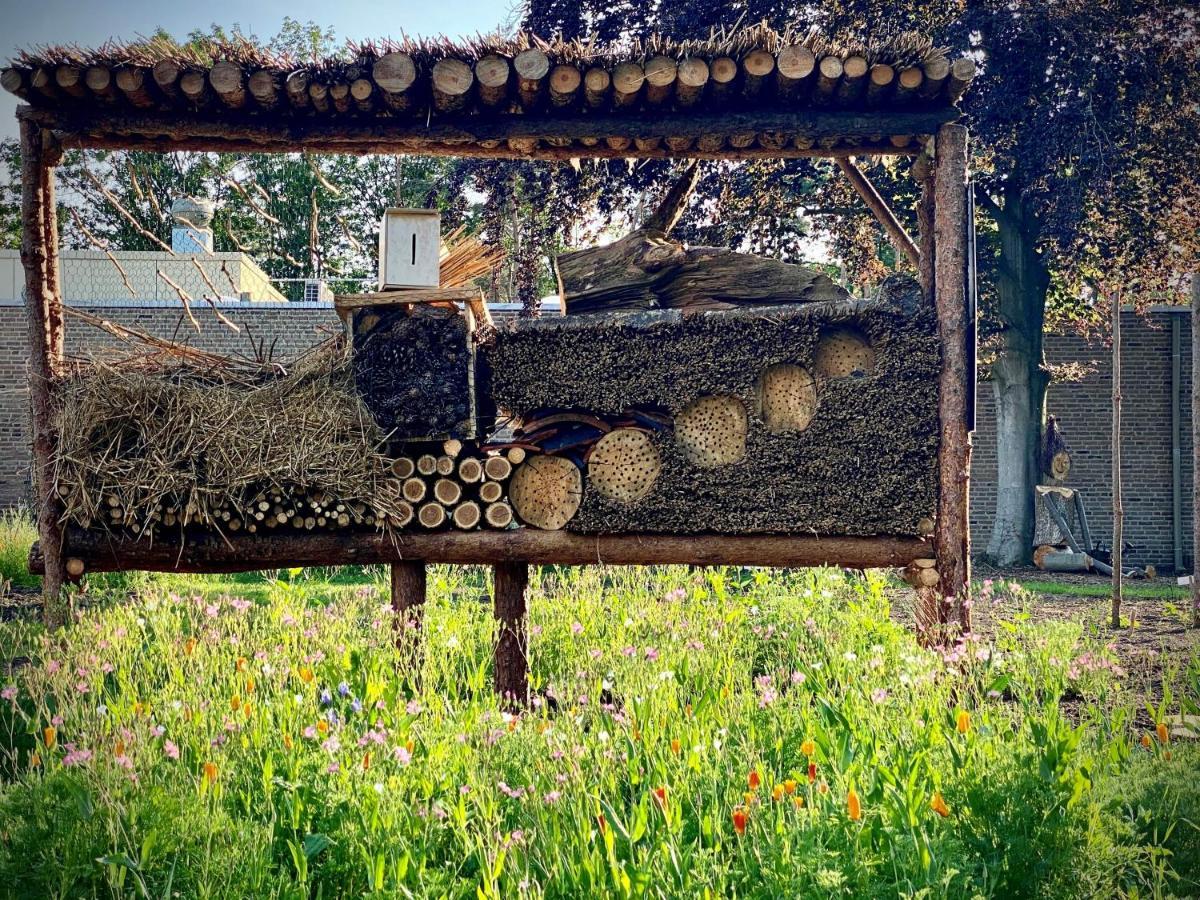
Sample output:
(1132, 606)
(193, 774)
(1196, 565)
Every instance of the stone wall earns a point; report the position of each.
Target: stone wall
(1083, 406)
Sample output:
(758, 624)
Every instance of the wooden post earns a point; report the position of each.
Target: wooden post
(408, 607)
(39, 255)
(922, 170)
(1117, 508)
(878, 206)
(952, 535)
(512, 644)
(1195, 451)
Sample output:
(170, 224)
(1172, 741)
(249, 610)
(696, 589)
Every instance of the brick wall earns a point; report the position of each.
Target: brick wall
(1084, 410)
(1083, 407)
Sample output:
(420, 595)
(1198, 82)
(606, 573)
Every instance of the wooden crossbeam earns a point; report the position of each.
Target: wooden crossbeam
(863, 187)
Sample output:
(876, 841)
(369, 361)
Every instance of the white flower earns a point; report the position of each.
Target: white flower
(666, 675)
(378, 787)
(603, 737)
(452, 643)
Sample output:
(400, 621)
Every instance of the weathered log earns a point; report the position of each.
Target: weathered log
(264, 88)
(413, 490)
(403, 467)
(194, 86)
(627, 80)
(228, 81)
(596, 84)
(908, 83)
(395, 74)
(882, 212)
(166, 74)
(879, 84)
(829, 73)
(661, 72)
(467, 515)
(497, 515)
(14, 81)
(104, 552)
(936, 70)
(794, 71)
(408, 607)
(953, 536)
(962, 71)
(690, 80)
(451, 82)
(43, 313)
(497, 468)
(510, 584)
(69, 79)
(722, 72)
(339, 95)
(432, 515)
(854, 80)
(99, 80)
(447, 491)
(296, 87)
(491, 491)
(531, 67)
(362, 92)
(757, 66)
(491, 77)
(470, 470)
(922, 171)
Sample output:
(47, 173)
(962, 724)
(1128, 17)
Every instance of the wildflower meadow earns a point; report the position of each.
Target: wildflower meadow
(710, 733)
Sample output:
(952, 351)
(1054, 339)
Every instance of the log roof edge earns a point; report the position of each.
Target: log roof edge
(376, 87)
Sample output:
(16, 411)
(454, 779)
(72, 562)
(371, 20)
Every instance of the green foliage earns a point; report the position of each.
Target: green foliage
(17, 534)
(282, 746)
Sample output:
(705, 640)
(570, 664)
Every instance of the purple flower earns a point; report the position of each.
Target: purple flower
(356, 705)
(343, 689)
(326, 697)
(75, 757)
(651, 654)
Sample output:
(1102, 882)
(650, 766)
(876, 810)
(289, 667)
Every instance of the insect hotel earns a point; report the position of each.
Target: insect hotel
(689, 405)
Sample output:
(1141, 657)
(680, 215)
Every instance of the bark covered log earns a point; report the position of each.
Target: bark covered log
(511, 583)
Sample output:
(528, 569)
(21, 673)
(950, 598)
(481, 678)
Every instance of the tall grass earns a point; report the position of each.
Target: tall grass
(725, 733)
(17, 534)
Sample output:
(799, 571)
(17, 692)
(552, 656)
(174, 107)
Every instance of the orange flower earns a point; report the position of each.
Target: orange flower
(35, 760)
(754, 780)
(676, 747)
(50, 736)
(750, 797)
(210, 772)
(409, 745)
(789, 786)
(601, 823)
(287, 741)
(823, 787)
(306, 674)
(323, 727)
(777, 793)
(808, 748)
(687, 710)
(249, 685)
(119, 748)
(938, 804)
(543, 726)
(1146, 741)
(241, 664)
(366, 761)
(235, 703)
(660, 797)
(188, 646)
(1164, 734)
(740, 817)
(798, 802)
(246, 710)
(962, 723)
(853, 805)
(812, 772)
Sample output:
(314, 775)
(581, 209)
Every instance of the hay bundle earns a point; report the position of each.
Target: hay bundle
(149, 442)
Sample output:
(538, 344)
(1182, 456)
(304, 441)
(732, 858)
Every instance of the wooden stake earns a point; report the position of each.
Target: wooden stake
(39, 241)
(1195, 451)
(953, 530)
(408, 608)
(511, 582)
(922, 171)
(1118, 508)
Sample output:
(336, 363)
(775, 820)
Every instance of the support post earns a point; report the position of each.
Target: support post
(408, 608)
(512, 643)
(922, 170)
(952, 537)
(1195, 451)
(1118, 509)
(43, 311)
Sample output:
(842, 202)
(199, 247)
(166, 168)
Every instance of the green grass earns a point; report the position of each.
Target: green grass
(265, 738)
(1134, 590)
(17, 534)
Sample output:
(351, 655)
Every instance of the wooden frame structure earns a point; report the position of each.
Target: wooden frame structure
(63, 114)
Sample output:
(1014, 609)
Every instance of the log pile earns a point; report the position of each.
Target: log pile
(515, 80)
(454, 485)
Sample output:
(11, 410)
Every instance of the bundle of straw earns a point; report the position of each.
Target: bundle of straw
(464, 259)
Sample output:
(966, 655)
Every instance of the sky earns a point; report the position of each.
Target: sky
(26, 23)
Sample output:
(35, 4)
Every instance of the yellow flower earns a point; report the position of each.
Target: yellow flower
(853, 805)
(823, 787)
(249, 685)
(188, 646)
(36, 759)
(789, 786)
(1164, 735)
(287, 741)
(50, 736)
(777, 793)
(246, 710)
(306, 674)
(235, 703)
(938, 804)
(323, 727)
(798, 801)
(963, 723)
(808, 748)
(749, 797)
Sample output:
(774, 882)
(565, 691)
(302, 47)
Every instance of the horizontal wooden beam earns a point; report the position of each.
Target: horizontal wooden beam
(727, 135)
(102, 552)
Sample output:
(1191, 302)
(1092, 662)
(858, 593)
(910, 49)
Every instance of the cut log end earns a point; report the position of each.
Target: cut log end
(546, 491)
(624, 465)
(712, 431)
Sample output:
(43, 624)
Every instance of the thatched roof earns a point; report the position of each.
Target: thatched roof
(754, 91)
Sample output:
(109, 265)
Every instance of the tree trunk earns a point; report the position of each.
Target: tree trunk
(1118, 510)
(1019, 382)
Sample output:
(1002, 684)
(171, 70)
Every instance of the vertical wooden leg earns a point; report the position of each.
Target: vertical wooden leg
(512, 644)
(408, 606)
(952, 535)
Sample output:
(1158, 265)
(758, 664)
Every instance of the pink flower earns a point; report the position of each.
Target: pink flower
(171, 751)
(9, 692)
(797, 677)
(629, 651)
(552, 797)
(310, 732)
(211, 610)
(240, 604)
(76, 757)
(413, 707)
(576, 628)
(402, 755)
(651, 654)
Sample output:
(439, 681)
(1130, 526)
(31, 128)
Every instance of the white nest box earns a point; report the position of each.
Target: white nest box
(410, 242)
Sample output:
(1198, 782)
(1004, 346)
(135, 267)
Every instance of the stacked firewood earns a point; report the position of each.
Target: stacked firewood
(458, 487)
